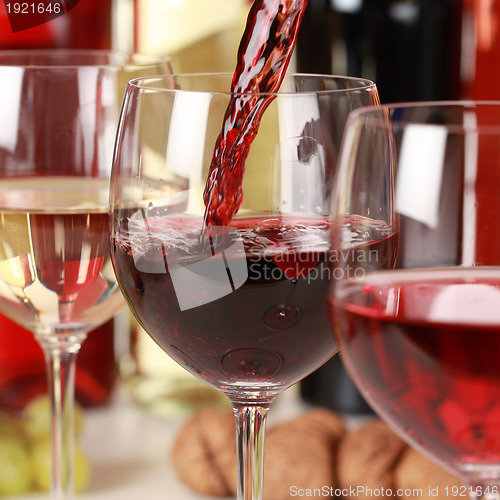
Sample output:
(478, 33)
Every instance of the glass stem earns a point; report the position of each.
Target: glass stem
(250, 430)
(60, 360)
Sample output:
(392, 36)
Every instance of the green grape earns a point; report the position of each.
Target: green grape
(11, 427)
(36, 419)
(41, 464)
(15, 467)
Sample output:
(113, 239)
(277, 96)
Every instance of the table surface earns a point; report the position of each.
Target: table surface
(129, 450)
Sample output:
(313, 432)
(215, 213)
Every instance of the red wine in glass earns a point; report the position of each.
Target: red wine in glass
(228, 340)
(424, 346)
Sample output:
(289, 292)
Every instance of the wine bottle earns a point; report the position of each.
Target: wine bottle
(412, 50)
(481, 50)
(416, 49)
(22, 367)
(87, 25)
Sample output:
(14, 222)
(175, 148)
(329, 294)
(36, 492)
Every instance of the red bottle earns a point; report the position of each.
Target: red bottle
(84, 24)
(22, 367)
(481, 42)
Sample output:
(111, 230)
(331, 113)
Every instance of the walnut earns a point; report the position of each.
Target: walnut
(367, 457)
(299, 452)
(206, 440)
(302, 453)
(418, 476)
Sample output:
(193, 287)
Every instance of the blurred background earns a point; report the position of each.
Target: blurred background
(413, 49)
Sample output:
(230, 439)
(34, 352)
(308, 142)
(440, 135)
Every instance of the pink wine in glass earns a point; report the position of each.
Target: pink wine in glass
(244, 308)
(424, 346)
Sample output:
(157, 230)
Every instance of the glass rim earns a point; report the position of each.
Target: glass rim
(139, 84)
(37, 58)
(379, 115)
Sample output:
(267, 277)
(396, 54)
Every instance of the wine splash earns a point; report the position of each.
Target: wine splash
(263, 57)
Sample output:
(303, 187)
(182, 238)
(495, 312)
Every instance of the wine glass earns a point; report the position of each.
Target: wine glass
(241, 305)
(421, 340)
(58, 116)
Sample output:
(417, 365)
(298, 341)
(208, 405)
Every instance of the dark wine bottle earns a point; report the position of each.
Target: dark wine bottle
(416, 49)
(412, 50)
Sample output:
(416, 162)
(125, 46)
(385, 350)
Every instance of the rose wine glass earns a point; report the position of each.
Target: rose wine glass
(421, 340)
(241, 305)
(58, 116)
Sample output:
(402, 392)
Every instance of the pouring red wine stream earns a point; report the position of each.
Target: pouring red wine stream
(263, 57)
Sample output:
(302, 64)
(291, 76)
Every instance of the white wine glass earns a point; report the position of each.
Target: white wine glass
(58, 117)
